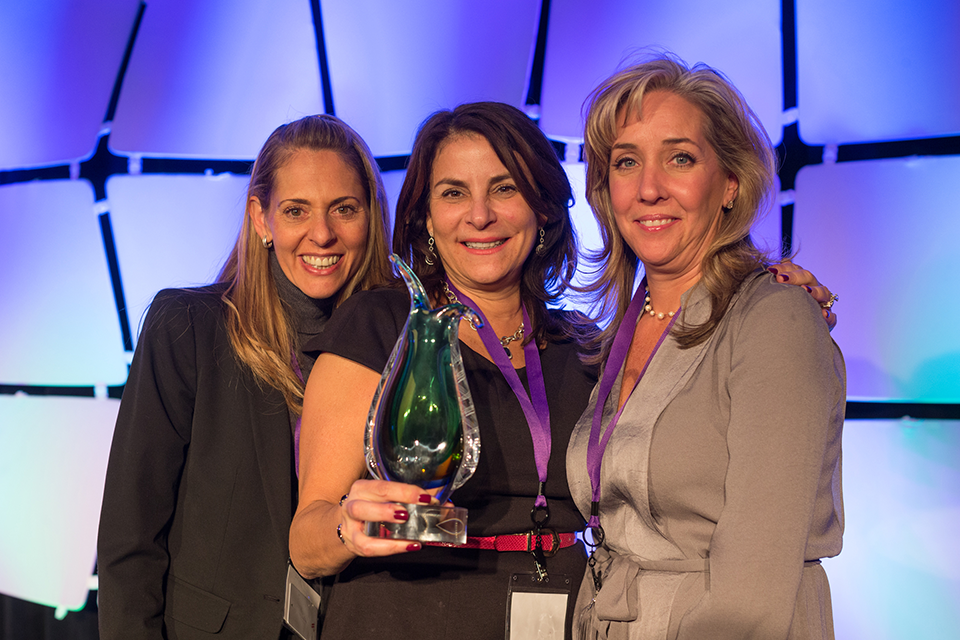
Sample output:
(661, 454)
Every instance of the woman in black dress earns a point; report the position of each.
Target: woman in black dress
(483, 217)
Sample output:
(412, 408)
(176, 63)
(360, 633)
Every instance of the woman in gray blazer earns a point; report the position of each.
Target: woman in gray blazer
(708, 459)
(200, 487)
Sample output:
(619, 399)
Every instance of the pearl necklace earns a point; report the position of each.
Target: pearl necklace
(649, 309)
(504, 340)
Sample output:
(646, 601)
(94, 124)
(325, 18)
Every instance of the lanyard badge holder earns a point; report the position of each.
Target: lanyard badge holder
(301, 606)
(535, 608)
(537, 602)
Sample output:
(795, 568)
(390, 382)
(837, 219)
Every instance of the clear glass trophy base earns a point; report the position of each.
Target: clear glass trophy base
(427, 523)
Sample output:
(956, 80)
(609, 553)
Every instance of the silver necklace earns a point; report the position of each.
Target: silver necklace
(647, 307)
(504, 340)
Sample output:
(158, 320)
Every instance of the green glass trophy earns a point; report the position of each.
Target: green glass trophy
(422, 427)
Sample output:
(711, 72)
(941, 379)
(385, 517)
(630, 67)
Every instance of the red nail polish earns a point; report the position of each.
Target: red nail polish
(401, 515)
(414, 546)
(809, 290)
(773, 270)
(424, 498)
(785, 277)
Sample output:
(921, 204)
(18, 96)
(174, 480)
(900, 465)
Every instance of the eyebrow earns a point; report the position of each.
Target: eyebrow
(344, 199)
(666, 143)
(307, 202)
(670, 141)
(453, 182)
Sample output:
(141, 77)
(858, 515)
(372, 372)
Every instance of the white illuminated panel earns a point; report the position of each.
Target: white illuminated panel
(880, 70)
(898, 575)
(588, 233)
(59, 323)
(392, 64)
(172, 231)
(883, 235)
(767, 232)
(587, 230)
(213, 79)
(587, 44)
(58, 64)
(392, 182)
(53, 460)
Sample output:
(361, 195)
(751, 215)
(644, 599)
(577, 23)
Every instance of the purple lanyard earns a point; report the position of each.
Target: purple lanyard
(296, 424)
(618, 355)
(534, 406)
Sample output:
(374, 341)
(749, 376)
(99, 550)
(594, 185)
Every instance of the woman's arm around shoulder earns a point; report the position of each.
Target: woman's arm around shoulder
(794, 274)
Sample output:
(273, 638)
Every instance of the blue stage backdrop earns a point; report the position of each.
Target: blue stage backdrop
(128, 127)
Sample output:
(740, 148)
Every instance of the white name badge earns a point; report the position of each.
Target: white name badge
(537, 610)
(301, 607)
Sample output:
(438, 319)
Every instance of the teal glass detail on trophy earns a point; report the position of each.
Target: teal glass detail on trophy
(422, 427)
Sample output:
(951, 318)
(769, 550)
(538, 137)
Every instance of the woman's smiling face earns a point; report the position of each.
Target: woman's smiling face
(318, 219)
(666, 185)
(483, 227)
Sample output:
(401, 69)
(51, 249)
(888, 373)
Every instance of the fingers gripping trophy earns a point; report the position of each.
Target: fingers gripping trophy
(422, 427)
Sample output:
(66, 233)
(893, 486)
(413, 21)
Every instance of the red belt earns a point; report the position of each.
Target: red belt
(550, 542)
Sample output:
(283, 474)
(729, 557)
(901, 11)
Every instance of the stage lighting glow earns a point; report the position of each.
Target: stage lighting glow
(879, 70)
(890, 258)
(59, 324)
(585, 46)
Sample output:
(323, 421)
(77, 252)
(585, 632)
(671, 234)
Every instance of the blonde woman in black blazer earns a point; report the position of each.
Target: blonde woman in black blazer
(201, 483)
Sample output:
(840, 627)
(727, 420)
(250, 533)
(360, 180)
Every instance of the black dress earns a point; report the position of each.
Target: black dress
(462, 593)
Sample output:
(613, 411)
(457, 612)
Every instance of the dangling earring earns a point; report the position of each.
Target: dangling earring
(540, 248)
(267, 244)
(432, 254)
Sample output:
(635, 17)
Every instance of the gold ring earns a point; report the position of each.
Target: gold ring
(829, 303)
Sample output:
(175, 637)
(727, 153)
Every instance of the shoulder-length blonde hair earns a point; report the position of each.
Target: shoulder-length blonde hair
(743, 149)
(260, 331)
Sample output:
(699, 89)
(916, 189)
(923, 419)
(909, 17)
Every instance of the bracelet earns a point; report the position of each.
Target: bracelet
(339, 533)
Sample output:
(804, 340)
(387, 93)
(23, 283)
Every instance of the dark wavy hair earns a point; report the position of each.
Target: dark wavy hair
(534, 166)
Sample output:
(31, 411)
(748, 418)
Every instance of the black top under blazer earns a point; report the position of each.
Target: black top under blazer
(200, 490)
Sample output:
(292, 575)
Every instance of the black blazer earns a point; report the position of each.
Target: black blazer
(200, 489)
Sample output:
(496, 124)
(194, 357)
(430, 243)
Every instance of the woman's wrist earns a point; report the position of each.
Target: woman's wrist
(315, 547)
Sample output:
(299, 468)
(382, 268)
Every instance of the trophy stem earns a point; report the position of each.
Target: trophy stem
(427, 523)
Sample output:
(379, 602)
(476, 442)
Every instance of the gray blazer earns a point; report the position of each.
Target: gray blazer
(720, 487)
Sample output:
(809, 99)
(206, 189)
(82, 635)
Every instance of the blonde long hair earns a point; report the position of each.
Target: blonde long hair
(743, 148)
(260, 331)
